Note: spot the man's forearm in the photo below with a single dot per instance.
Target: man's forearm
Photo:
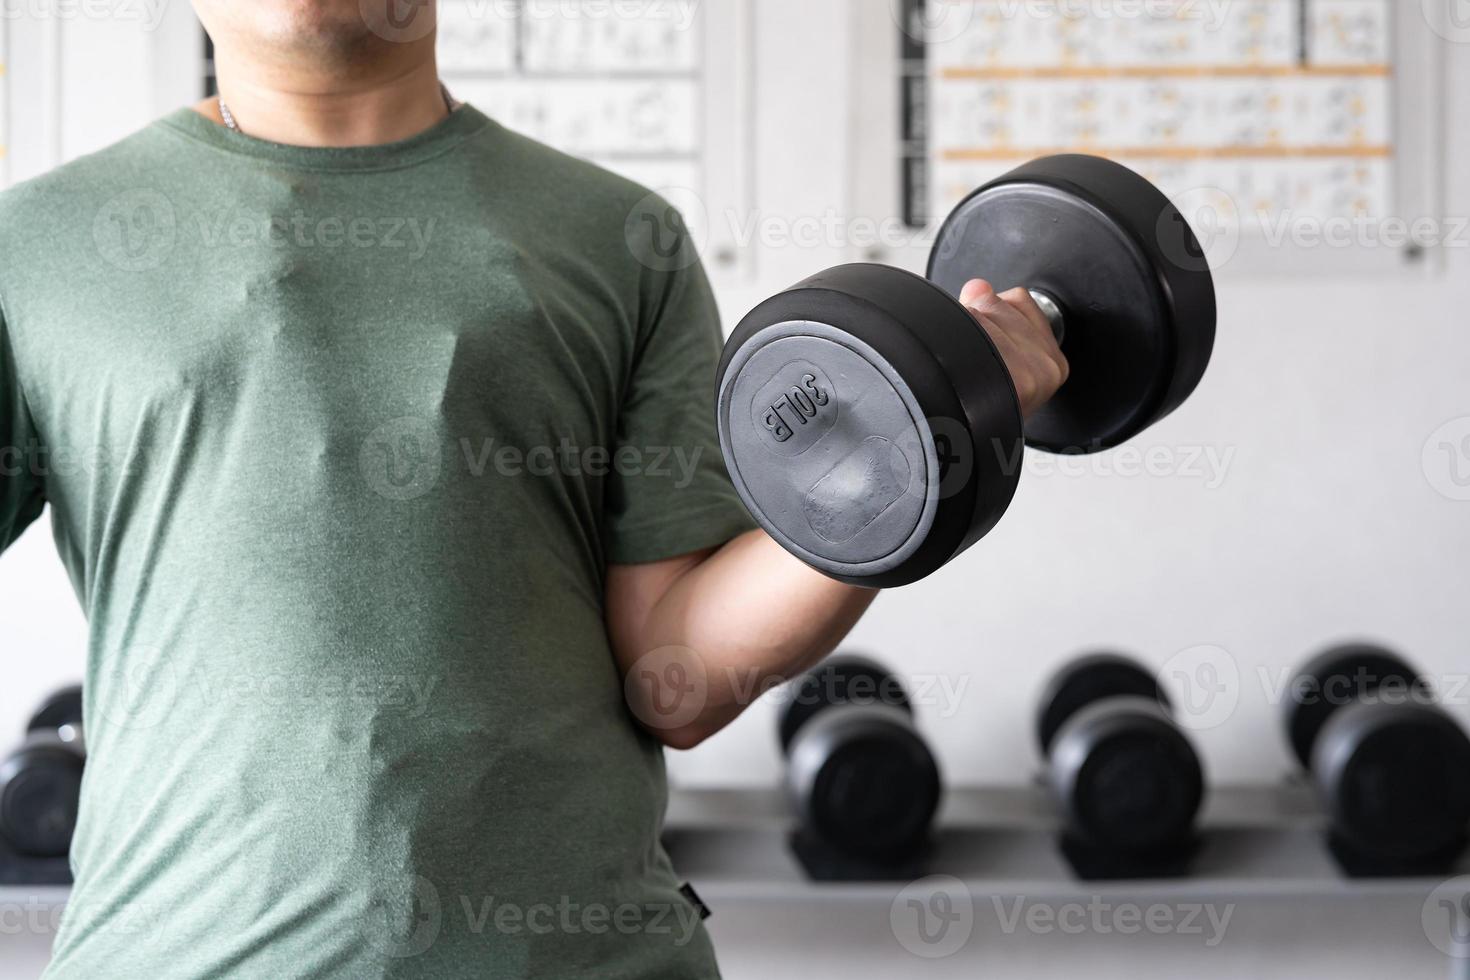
(729, 626)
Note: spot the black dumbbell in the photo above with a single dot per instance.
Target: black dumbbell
(1127, 779)
(41, 781)
(1391, 767)
(872, 428)
(859, 775)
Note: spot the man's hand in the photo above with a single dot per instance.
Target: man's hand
(1023, 335)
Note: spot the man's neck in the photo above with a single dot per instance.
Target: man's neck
(392, 103)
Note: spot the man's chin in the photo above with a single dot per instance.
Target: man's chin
(337, 29)
(323, 30)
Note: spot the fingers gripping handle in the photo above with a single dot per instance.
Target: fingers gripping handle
(1053, 311)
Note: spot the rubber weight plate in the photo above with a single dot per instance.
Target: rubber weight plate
(1340, 676)
(871, 785)
(869, 424)
(1087, 680)
(64, 707)
(1396, 779)
(1139, 784)
(1129, 275)
(846, 678)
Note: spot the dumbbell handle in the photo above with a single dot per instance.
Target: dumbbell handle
(1053, 311)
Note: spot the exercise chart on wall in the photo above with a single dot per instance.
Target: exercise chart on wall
(621, 90)
(1273, 107)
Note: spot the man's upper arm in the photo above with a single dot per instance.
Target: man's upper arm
(632, 593)
(668, 493)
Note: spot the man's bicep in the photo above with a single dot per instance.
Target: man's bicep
(632, 596)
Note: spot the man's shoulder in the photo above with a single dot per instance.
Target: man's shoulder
(557, 167)
(74, 194)
(567, 189)
(105, 171)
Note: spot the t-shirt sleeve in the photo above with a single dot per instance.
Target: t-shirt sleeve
(669, 491)
(21, 500)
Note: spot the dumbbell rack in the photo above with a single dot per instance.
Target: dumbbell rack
(1257, 842)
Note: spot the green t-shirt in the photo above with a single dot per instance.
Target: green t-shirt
(338, 445)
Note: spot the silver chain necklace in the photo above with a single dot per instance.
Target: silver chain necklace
(232, 126)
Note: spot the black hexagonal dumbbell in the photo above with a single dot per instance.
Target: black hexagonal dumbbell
(1391, 767)
(41, 780)
(862, 780)
(871, 426)
(1128, 781)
